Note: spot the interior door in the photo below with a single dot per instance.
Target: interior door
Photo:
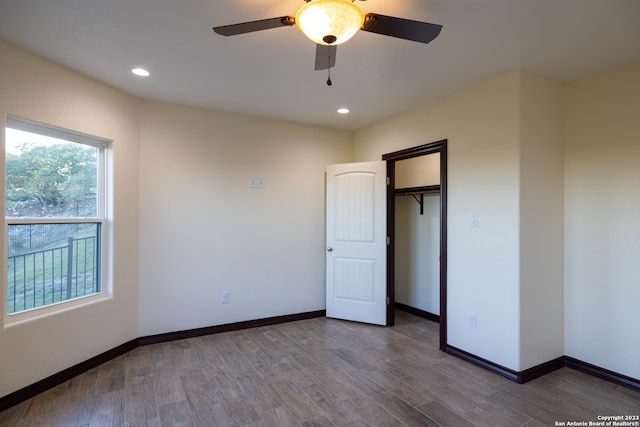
(356, 253)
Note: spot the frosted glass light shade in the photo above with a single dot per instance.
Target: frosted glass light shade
(320, 18)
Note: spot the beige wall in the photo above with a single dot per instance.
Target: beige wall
(601, 133)
(419, 171)
(205, 231)
(552, 173)
(482, 128)
(541, 222)
(38, 90)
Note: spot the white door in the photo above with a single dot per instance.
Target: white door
(356, 253)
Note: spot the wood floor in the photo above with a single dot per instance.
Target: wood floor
(318, 372)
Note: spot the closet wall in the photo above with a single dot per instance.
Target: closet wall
(417, 235)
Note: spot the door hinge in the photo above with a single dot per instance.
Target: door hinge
(388, 240)
(388, 300)
(388, 181)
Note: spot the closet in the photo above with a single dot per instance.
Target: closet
(417, 235)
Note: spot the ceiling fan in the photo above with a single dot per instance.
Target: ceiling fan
(329, 23)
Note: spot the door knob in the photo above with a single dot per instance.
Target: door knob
(329, 249)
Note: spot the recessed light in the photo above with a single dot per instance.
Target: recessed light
(343, 110)
(140, 72)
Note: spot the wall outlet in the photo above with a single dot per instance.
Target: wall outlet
(472, 320)
(224, 297)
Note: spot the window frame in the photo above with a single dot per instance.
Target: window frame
(102, 144)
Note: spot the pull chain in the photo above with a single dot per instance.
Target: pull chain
(329, 40)
(329, 83)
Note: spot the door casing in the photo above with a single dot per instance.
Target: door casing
(422, 150)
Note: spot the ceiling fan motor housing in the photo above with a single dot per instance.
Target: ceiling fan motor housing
(329, 39)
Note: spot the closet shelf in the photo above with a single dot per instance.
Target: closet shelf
(418, 191)
(429, 189)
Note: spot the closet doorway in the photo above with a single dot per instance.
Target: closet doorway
(417, 230)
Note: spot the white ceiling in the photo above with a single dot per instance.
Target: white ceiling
(271, 73)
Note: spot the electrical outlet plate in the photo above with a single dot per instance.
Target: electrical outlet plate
(473, 320)
(224, 297)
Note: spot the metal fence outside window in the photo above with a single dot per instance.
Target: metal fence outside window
(52, 275)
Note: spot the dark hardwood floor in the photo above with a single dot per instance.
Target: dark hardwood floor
(318, 372)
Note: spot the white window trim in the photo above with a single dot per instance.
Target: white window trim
(105, 293)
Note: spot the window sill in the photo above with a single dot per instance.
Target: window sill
(35, 314)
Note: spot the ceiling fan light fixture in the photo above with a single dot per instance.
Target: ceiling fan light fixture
(329, 22)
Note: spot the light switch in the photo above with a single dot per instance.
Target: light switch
(260, 182)
(473, 219)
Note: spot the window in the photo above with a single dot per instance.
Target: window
(55, 215)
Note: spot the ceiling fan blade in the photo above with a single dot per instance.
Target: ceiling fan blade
(325, 56)
(407, 29)
(249, 27)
